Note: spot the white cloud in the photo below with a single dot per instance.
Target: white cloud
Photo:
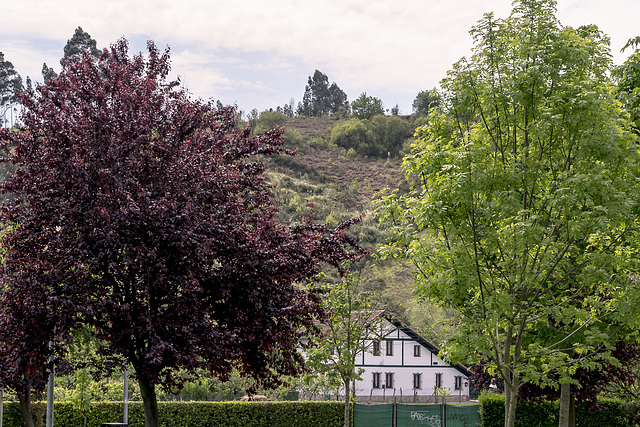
(379, 46)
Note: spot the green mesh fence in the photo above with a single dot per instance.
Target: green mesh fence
(373, 415)
(463, 415)
(408, 415)
(418, 415)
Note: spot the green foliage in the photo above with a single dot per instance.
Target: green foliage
(628, 78)
(390, 134)
(193, 414)
(608, 412)
(523, 214)
(432, 320)
(365, 107)
(10, 84)
(80, 42)
(345, 331)
(352, 133)
(81, 399)
(268, 120)
(48, 73)
(381, 136)
(250, 414)
(544, 414)
(425, 101)
(322, 99)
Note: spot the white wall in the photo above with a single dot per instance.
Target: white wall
(404, 364)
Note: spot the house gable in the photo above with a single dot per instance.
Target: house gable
(404, 339)
(399, 360)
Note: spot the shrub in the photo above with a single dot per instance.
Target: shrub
(608, 412)
(193, 414)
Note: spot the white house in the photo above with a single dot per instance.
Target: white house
(399, 363)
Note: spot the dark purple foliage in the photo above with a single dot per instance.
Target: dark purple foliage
(147, 215)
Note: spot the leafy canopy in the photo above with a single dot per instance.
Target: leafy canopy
(79, 43)
(10, 83)
(365, 106)
(628, 78)
(523, 214)
(320, 98)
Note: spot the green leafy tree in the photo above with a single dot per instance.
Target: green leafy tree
(436, 323)
(346, 334)
(10, 85)
(268, 120)
(10, 82)
(425, 101)
(389, 133)
(381, 136)
(48, 73)
(524, 210)
(320, 98)
(365, 107)
(628, 78)
(84, 357)
(288, 109)
(80, 42)
(353, 133)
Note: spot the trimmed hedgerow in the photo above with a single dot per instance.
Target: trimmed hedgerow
(193, 414)
(608, 412)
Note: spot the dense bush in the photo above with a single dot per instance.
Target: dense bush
(193, 414)
(381, 136)
(608, 412)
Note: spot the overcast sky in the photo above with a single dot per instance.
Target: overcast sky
(259, 53)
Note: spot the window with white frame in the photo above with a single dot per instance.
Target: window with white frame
(438, 380)
(416, 350)
(389, 344)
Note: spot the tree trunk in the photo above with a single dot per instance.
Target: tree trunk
(567, 416)
(572, 411)
(347, 401)
(150, 403)
(511, 401)
(25, 408)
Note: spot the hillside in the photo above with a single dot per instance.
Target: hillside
(342, 186)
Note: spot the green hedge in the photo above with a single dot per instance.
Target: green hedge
(193, 414)
(609, 413)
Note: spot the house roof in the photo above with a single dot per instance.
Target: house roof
(413, 335)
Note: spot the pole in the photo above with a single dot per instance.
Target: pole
(49, 421)
(125, 416)
(444, 411)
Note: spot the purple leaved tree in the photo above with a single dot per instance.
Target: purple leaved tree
(147, 215)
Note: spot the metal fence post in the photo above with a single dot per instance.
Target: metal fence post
(444, 411)
(125, 415)
(394, 418)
